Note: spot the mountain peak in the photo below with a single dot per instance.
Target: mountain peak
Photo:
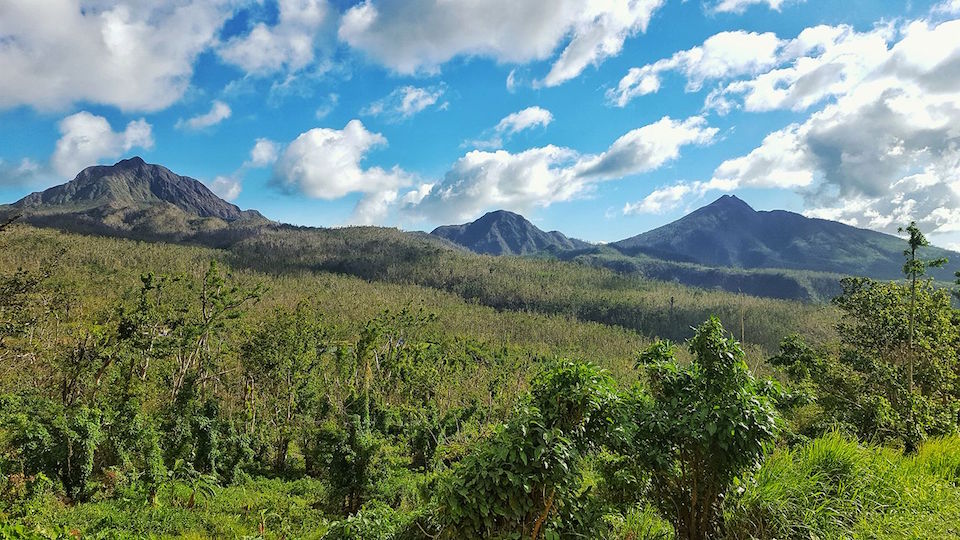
(130, 184)
(130, 163)
(501, 215)
(730, 202)
(501, 232)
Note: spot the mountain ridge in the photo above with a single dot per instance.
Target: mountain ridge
(726, 244)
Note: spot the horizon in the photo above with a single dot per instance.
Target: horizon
(568, 234)
(600, 125)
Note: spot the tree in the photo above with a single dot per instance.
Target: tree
(281, 360)
(525, 479)
(871, 368)
(702, 426)
(914, 269)
(956, 292)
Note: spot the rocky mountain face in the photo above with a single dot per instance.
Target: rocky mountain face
(130, 183)
(139, 200)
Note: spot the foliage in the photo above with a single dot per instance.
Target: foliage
(863, 388)
(525, 479)
(834, 487)
(704, 426)
(269, 398)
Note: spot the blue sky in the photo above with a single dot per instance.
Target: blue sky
(601, 119)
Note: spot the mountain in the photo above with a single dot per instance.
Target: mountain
(729, 233)
(133, 198)
(130, 183)
(505, 233)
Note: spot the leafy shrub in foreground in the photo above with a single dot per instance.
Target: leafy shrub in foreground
(704, 426)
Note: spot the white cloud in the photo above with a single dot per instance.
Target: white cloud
(26, 172)
(727, 54)
(947, 7)
(226, 187)
(660, 200)
(542, 176)
(414, 36)
(373, 207)
(328, 106)
(326, 163)
(512, 81)
(887, 151)
(647, 148)
(513, 123)
(822, 62)
(263, 153)
(405, 102)
(739, 6)
(219, 112)
(526, 119)
(135, 57)
(86, 139)
(289, 45)
(600, 35)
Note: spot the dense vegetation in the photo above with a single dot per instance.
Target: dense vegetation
(154, 389)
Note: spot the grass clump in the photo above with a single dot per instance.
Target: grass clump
(834, 487)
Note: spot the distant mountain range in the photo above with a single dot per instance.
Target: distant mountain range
(505, 233)
(726, 244)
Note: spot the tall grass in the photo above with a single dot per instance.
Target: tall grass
(833, 487)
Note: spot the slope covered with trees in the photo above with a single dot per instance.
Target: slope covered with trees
(155, 389)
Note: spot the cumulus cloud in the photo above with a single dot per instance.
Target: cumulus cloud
(482, 180)
(86, 139)
(326, 163)
(947, 7)
(405, 102)
(727, 54)
(821, 62)
(289, 45)
(513, 123)
(413, 36)
(219, 112)
(647, 148)
(226, 187)
(739, 6)
(660, 200)
(263, 153)
(137, 58)
(885, 152)
(527, 118)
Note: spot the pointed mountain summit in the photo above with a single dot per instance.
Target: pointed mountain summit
(730, 233)
(505, 233)
(131, 183)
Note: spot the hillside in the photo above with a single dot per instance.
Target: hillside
(506, 233)
(729, 233)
